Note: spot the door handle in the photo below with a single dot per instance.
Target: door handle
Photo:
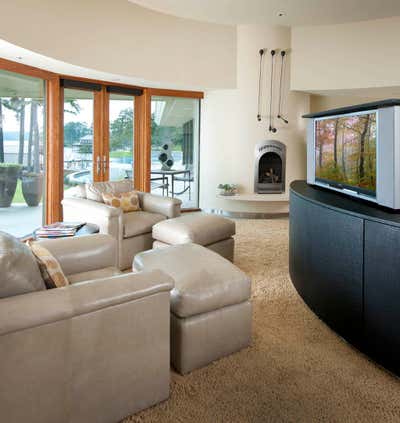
(104, 165)
(98, 164)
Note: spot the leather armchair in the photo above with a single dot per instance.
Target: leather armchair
(94, 351)
(133, 231)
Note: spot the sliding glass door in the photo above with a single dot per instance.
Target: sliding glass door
(22, 153)
(98, 133)
(78, 138)
(121, 137)
(175, 148)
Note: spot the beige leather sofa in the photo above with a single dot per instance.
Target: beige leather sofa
(133, 231)
(94, 351)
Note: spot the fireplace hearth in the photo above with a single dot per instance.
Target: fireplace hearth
(269, 170)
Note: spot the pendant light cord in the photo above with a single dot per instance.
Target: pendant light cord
(271, 91)
(261, 52)
(280, 83)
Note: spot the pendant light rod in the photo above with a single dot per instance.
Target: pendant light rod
(271, 127)
(261, 53)
(279, 115)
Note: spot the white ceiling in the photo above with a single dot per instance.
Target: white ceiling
(297, 12)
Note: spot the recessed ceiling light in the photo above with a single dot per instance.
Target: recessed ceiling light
(281, 14)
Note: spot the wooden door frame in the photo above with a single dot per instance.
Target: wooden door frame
(54, 132)
(142, 144)
(100, 135)
(54, 188)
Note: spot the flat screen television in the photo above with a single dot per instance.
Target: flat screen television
(355, 150)
(345, 152)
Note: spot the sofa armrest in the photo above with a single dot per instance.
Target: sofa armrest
(91, 208)
(169, 207)
(43, 307)
(83, 253)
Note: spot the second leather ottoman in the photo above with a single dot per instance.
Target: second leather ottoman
(211, 311)
(209, 230)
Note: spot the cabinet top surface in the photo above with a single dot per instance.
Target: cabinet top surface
(356, 108)
(344, 204)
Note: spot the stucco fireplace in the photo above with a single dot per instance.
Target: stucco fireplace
(270, 167)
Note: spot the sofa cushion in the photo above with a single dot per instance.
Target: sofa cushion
(140, 222)
(78, 191)
(49, 267)
(198, 228)
(18, 268)
(204, 281)
(127, 201)
(95, 190)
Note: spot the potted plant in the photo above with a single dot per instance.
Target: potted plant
(32, 188)
(227, 189)
(9, 174)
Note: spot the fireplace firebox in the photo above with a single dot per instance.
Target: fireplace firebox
(269, 170)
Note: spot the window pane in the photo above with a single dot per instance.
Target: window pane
(175, 148)
(121, 137)
(22, 153)
(78, 137)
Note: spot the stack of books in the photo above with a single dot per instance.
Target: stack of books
(58, 230)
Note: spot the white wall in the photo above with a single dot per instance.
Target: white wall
(346, 56)
(230, 129)
(119, 37)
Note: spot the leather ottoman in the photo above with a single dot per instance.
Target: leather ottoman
(211, 311)
(209, 230)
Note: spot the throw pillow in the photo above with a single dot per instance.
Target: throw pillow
(50, 268)
(19, 272)
(127, 201)
(95, 190)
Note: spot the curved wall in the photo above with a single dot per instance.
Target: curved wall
(119, 37)
(346, 56)
(230, 130)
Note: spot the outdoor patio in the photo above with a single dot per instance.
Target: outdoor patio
(20, 219)
(179, 186)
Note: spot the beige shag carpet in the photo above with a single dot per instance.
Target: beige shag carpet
(297, 369)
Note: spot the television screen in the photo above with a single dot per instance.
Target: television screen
(345, 152)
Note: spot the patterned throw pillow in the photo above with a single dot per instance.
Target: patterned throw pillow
(95, 190)
(127, 201)
(49, 267)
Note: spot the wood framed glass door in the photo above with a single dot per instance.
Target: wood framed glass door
(82, 145)
(118, 153)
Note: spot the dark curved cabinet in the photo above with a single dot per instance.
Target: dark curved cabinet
(344, 260)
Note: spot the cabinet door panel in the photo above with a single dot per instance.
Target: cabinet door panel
(326, 263)
(382, 292)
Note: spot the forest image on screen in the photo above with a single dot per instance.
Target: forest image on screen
(345, 151)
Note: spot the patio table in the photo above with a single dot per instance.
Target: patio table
(172, 173)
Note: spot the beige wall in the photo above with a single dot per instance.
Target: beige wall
(347, 56)
(230, 129)
(319, 103)
(119, 37)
